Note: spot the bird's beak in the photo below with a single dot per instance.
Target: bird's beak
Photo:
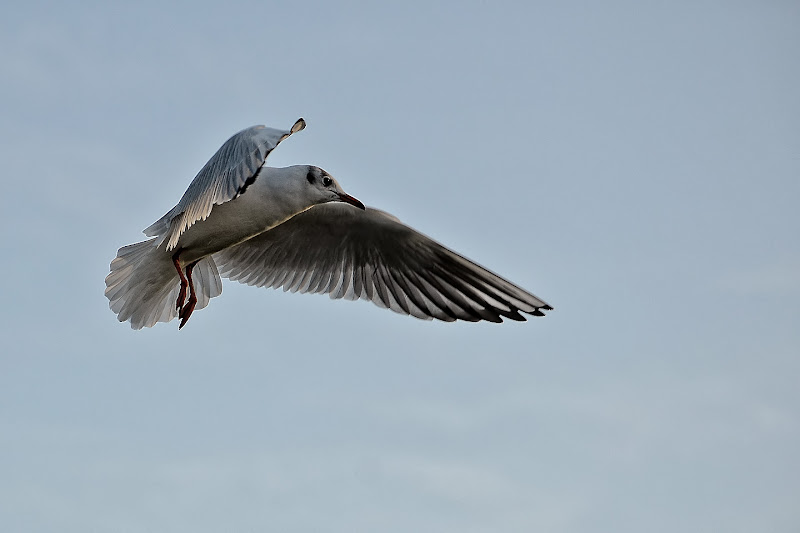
(346, 198)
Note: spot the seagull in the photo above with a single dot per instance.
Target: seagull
(295, 228)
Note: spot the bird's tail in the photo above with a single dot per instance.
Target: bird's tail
(143, 284)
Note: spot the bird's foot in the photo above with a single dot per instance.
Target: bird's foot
(186, 311)
(184, 281)
(181, 297)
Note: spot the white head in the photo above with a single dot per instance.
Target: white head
(308, 185)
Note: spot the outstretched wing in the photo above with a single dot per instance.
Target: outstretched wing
(348, 253)
(226, 175)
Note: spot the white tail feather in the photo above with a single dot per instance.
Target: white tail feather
(143, 284)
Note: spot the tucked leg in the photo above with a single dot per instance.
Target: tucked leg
(184, 282)
(186, 310)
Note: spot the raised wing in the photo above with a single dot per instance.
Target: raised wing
(348, 253)
(226, 175)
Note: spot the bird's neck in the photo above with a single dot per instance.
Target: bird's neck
(282, 194)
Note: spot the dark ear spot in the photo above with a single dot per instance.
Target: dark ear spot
(311, 177)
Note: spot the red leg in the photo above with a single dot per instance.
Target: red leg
(184, 283)
(187, 309)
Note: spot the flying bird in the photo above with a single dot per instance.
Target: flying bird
(295, 228)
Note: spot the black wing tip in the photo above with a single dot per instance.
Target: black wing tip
(516, 313)
(496, 315)
(299, 124)
(538, 310)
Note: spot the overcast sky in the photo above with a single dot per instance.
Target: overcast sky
(636, 165)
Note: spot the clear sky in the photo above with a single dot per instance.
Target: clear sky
(635, 164)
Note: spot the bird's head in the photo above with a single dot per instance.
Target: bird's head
(321, 188)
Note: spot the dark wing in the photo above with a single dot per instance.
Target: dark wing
(226, 175)
(348, 253)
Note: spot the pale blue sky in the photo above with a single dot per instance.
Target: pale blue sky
(634, 164)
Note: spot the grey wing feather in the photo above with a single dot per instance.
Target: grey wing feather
(348, 253)
(226, 175)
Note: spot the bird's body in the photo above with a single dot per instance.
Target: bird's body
(269, 201)
(295, 228)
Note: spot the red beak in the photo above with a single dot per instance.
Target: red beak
(346, 198)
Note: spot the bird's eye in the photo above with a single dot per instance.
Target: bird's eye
(326, 181)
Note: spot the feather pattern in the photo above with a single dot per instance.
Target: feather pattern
(371, 255)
